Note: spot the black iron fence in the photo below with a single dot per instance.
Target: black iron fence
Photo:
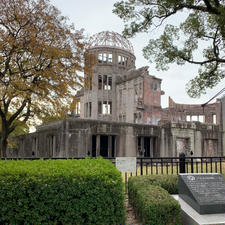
(175, 165)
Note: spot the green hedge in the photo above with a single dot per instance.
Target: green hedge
(153, 204)
(67, 192)
(167, 182)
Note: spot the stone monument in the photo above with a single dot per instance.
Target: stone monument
(203, 192)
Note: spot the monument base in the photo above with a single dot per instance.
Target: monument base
(192, 217)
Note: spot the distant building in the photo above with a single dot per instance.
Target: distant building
(119, 113)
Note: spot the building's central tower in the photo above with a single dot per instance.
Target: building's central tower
(111, 57)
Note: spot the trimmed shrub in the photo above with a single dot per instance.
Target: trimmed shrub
(88, 191)
(153, 204)
(167, 182)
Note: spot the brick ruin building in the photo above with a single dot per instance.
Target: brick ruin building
(119, 113)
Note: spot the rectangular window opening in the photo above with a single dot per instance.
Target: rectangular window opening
(123, 60)
(104, 143)
(188, 118)
(105, 85)
(104, 57)
(119, 59)
(109, 83)
(146, 146)
(99, 82)
(110, 57)
(90, 108)
(201, 118)
(107, 108)
(100, 58)
(214, 118)
(99, 107)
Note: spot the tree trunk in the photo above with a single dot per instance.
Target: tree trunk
(4, 137)
(4, 145)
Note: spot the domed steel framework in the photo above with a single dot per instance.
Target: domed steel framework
(110, 39)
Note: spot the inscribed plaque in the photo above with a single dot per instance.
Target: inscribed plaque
(203, 192)
(126, 164)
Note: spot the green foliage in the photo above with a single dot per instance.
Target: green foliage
(80, 192)
(153, 204)
(167, 182)
(197, 38)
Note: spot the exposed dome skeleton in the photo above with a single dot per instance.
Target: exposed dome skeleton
(110, 39)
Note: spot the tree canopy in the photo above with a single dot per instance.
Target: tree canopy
(203, 29)
(41, 57)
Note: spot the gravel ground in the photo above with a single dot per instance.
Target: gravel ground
(131, 217)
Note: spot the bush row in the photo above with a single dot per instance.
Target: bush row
(167, 182)
(80, 192)
(153, 203)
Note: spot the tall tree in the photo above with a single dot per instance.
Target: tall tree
(203, 29)
(41, 57)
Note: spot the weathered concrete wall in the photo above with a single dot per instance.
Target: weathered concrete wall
(200, 139)
(74, 137)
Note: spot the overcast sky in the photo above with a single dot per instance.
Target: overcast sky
(96, 16)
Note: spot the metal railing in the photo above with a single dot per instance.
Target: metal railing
(176, 165)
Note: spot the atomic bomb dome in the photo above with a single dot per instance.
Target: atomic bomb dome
(121, 115)
(110, 39)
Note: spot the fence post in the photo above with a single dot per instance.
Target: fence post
(182, 162)
(192, 163)
(141, 166)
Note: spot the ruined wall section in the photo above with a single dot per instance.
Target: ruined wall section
(152, 100)
(129, 98)
(200, 139)
(139, 98)
(191, 112)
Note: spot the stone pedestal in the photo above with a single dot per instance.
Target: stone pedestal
(192, 217)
